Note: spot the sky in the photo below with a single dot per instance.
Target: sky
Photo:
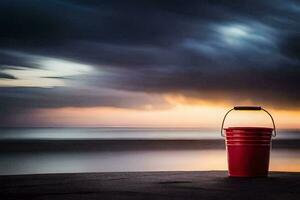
(147, 63)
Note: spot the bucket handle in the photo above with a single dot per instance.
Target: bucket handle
(247, 108)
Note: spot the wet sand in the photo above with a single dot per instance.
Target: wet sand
(150, 185)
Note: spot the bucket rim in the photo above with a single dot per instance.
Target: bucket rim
(240, 128)
(248, 137)
(238, 144)
(259, 141)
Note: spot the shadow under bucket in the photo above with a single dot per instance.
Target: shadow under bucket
(248, 148)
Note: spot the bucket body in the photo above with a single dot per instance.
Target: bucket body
(248, 151)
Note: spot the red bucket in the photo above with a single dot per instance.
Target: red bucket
(248, 148)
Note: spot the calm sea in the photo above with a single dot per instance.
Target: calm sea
(63, 150)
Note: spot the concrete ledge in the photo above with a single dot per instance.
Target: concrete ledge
(150, 185)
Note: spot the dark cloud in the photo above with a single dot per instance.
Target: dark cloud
(228, 50)
(6, 76)
(32, 97)
(291, 46)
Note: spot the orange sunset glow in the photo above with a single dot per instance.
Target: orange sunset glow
(181, 113)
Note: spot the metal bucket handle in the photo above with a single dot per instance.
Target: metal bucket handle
(247, 108)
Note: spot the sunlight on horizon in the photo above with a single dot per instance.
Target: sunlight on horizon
(181, 114)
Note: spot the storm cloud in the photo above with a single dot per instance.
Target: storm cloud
(212, 50)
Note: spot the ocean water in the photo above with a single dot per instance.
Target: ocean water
(67, 150)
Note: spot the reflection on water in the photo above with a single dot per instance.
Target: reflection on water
(113, 161)
(285, 160)
(49, 150)
(181, 160)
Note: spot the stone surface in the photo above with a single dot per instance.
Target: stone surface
(150, 185)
